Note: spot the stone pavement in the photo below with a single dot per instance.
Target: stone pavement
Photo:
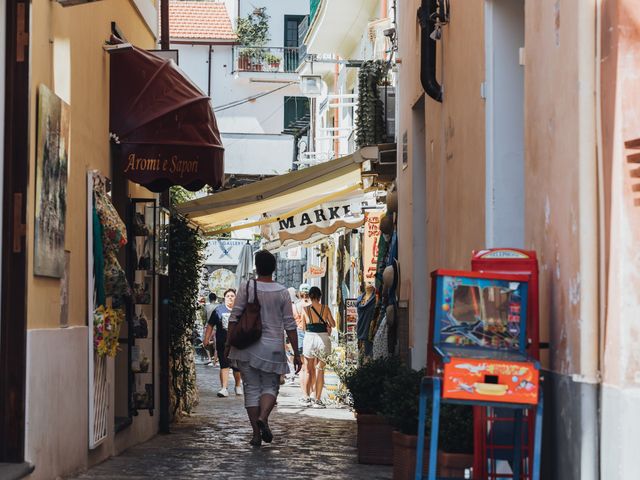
(308, 443)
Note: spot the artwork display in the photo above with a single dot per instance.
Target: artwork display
(52, 157)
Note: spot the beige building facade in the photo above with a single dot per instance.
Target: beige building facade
(527, 150)
(64, 50)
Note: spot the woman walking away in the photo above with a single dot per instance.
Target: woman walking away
(318, 323)
(219, 320)
(262, 363)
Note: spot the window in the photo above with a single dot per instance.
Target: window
(291, 42)
(295, 108)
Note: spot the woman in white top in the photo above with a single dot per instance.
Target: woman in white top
(318, 323)
(262, 363)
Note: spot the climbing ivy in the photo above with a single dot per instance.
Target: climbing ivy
(185, 265)
(370, 125)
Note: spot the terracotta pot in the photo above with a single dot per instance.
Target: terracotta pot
(404, 456)
(404, 459)
(453, 464)
(374, 440)
(243, 62)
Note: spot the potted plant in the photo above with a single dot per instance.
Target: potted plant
(455, 452)
(253, 33)
(244, 61)
(400, 407)
(374, 432)
(273, 61)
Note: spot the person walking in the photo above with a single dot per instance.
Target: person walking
(209, 307)
(262, 363)
(298, 308)
(318, 323)
(219, 320)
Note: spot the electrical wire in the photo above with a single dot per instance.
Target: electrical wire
(237, 103)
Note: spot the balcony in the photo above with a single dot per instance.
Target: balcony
(337, 26)
(274, 60)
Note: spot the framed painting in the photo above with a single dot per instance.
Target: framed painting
(52, 157)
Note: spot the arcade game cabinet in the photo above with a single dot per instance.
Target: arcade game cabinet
(478, 356)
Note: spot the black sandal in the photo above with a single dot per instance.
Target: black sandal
(256, 440)
(267, 436)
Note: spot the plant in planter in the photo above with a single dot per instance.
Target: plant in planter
(244, 59)
(374, 432)
(253, 33)
(273, 61)
(370, 124)
(400, 407)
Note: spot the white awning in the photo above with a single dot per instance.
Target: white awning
(277, 197)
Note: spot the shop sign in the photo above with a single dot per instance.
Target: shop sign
(323, 215)
(370, 247)
(223, 251)
(316, 271)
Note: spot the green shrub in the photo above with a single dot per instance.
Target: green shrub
(399, 405)
(364, 383)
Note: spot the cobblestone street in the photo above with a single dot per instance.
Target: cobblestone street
(213, 443)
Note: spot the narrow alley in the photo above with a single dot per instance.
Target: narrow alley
(213, 443)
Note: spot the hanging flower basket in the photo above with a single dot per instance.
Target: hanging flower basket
(106, 330)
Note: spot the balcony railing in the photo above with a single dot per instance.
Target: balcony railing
(266, 59)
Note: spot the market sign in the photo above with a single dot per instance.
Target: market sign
(370, 249)
(320, 216)
(320, 221)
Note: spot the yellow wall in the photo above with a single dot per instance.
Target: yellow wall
(454, 144)
(85, 28)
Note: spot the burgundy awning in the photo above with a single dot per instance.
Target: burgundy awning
(162, 126)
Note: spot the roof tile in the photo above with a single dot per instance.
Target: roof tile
(199, 20)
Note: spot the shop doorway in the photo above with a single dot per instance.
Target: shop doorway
(504, 35)
(419, 246)
(14, 156)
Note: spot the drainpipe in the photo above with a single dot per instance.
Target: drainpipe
(164, 24)
(588, 280)
(209, 72)
(426, 14)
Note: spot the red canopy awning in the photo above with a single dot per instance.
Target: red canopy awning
(162, 125)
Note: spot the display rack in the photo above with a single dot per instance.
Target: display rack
(143, 266)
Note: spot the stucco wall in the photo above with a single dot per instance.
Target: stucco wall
(454, 146)
(620, 103)
(262, 118)
(560, 174)
(81, 76)
(67, 56)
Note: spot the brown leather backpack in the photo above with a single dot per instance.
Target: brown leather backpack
(248, 328)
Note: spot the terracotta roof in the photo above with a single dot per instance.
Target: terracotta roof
(199, 20)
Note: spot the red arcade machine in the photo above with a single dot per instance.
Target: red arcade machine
(484, 351)
(492, 423)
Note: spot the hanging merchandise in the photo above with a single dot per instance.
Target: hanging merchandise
(114, 237)
(106, 330)
(140, 326)
(381, 339)
(144, 261)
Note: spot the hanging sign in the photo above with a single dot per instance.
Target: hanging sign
(370, 247)
(322, 216)
(316, 271)
(223, 251)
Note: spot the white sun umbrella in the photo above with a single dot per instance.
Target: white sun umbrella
(245, 265)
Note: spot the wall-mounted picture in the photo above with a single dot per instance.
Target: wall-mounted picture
(52, 157)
